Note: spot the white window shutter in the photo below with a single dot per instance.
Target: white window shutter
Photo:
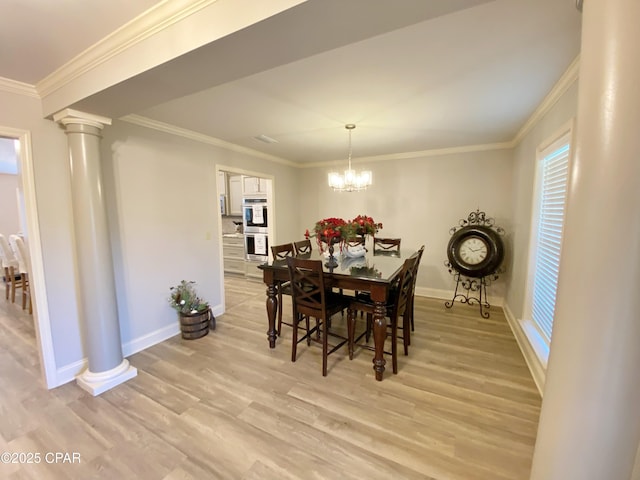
(554, 184)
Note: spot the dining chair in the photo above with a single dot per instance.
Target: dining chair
(303, 247)
(405, 336)
(355, 241)
(24, 265)
(10, 267)
(413, 287)
(310, 298)
(397, 307)
(386, 245)
(281, 252)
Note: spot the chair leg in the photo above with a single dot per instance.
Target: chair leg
(394, 345)
(412, 328)
(369, 327)
(28, 280)
(325, 345)
(279, 328)
(7, 281)
(406, 333)
(294, 336)
(351, 327)
(12, 274)
(24, 289)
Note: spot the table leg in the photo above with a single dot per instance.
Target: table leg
(379, 336)
(272, 310)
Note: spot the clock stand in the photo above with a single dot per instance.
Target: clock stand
(474, 268)
(471, 291)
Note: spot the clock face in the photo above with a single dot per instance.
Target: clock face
(473, 250)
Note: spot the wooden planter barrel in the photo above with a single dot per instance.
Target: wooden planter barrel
(196, 325)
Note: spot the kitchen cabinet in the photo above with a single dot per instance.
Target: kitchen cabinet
(252, 270)
(222, 183)
(233, 253)
(235, 195)
(254, 185)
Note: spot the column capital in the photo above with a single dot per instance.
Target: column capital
(69, 116)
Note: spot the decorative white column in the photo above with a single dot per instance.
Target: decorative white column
(107, 367)
(590, 421)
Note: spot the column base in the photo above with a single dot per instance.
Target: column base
(96, 383)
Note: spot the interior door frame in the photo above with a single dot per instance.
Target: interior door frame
(42, 323)
(272, 215)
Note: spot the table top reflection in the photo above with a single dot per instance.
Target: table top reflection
(373, 266)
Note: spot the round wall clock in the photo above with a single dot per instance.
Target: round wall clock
(475, 251)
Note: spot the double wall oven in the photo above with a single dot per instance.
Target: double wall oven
(255, 213)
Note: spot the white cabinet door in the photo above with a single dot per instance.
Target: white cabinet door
(254, 185)
(262, 185)
(235, 195)
(222, 183)
(249, 185)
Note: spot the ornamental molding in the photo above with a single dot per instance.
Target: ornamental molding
(157, 18)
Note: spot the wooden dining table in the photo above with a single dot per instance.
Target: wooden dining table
(373, 273)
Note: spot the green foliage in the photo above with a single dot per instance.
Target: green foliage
(184, 298)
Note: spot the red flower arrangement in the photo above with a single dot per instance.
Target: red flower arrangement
(328, 230)
(335, 230)
(364, 225)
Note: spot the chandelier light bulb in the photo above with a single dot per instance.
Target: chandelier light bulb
(350, 181)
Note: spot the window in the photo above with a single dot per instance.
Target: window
(546, 236)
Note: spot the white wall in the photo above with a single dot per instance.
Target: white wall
(163, 215)
(9, 221)
(53, 197)
(419, 200)
(523, 183)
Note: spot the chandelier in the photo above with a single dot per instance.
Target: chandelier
(350, 181)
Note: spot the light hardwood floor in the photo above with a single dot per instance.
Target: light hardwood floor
(463, 405)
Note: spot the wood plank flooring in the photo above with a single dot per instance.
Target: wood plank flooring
(463, 405)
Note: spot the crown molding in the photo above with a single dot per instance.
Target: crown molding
(568, 78)
(12, 86)
(200, 137)
(145, 25)
(409, 155)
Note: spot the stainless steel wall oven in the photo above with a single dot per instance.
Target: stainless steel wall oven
(255, 218)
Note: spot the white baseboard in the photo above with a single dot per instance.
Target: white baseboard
(69, 372)
(217, 310)
(536, 367)
(138, 344)
(448, 294)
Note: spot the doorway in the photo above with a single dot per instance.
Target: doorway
(235, 188)
(28, 214)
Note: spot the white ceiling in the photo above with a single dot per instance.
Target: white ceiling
(462, 72)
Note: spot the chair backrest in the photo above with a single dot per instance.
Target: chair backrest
(280, 252)
(7, 257)
(386, 244)
(21, 252)
(405, 286)
(307, 287)
(355, 241)
(303, 247)
(418, 256)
